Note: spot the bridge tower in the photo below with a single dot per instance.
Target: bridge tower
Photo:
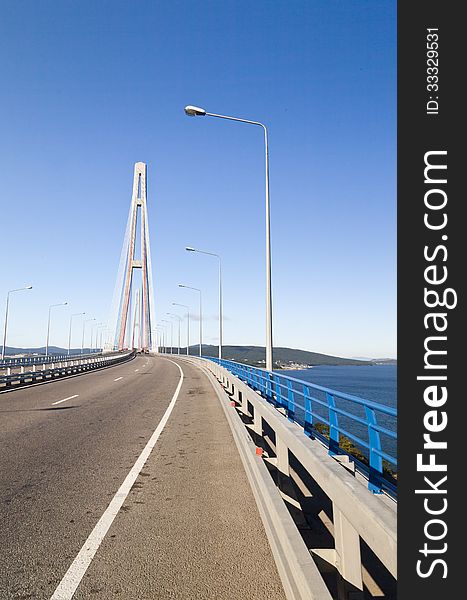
(124, 332)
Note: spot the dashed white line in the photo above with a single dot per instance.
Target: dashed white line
(65, 399)
(118, 378)
(72, 578)
(136, 370)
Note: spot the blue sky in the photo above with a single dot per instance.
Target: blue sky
(90, 88)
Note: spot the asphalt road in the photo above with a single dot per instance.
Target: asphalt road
(187, 529)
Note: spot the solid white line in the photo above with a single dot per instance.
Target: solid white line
(72, 578)
(65, 399)
(118, 378)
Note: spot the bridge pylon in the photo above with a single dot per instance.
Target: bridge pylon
(138, 217)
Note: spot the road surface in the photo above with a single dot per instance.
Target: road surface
(187, 527)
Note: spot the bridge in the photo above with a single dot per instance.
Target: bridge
(137, 472)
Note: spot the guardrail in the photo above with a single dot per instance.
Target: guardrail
(42, 359)
(64, 368)
(309, 404)
(335, 499)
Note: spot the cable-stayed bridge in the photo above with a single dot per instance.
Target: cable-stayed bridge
(137, 472)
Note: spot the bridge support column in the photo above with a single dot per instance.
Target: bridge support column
(229, 386)
(348, 559)
(257, 423)
(282, 453)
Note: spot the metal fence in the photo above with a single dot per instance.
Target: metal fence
(42, 359)
(370, 426)
(70, 366)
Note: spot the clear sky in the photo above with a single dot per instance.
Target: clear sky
(89, 88)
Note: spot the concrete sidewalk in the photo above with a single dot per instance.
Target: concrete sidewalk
(190, 528)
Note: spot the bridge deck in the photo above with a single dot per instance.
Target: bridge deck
(189, 527)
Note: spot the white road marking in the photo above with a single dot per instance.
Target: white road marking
(65, 399)
(136, 370)
(118, 378)
(72, 578)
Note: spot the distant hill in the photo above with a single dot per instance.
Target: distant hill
(256, 355)
(9, 351)
(385, 361)
(251, 355)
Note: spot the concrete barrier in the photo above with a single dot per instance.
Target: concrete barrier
(357, 513)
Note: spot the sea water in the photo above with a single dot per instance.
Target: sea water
(377, 383)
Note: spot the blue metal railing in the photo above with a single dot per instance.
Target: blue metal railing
(366, 423)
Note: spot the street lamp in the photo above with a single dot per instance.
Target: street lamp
(48, 325)
(189, 249)
(171, 334)
(84, 327)
(179, 325)
(162, 338)
(100, 326)
(28, 287)
(69, 331)
(200, 315)
(194, 111)
(187, 325)
(154, 344)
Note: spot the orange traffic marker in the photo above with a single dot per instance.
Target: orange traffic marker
(259, 451)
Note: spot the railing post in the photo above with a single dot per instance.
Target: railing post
(308, 426)
(290, 401)
(268, 386)
(376, 462)
(278, 400)
(333, 426)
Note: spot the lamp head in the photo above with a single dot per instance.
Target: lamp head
(194, 111)
(190, 249)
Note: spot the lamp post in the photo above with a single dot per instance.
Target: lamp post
(162, 337)
(179, 325)
(154, 340)
(48, 325)
(189, 249)
(200, 315)
(84, 327)
(5, 328)
(100, 326)
(187, 325)
(195, 111)
(69, 331)
(171, 334)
